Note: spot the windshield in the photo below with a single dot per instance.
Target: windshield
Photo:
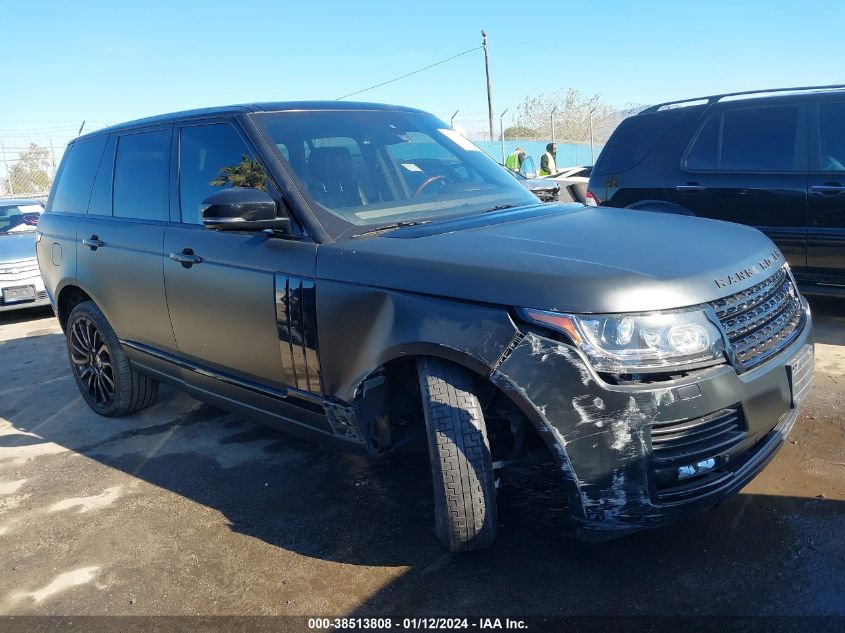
(21, 218)
(370, 168)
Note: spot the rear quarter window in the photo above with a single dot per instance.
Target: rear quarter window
(636, 137)
(72, 190)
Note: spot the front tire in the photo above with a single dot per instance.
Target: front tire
(461, 465)
(101, 368)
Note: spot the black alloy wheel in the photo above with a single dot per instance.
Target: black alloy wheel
(92, 361)
(106, 379)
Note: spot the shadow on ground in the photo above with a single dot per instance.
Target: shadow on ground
(828, 320)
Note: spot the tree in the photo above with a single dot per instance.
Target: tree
(31, 173)
(247, 173)
(521, 133)
(572, 116)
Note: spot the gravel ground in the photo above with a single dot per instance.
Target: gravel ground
(185, 509)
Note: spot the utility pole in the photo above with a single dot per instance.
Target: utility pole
(552, 117)
(592, 155)
(452, 120)
(489, 92)
(53, 157)
(502, 132)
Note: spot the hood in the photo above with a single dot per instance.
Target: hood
(15, 247)
(571, 258)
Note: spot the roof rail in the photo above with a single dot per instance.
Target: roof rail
(714, 98)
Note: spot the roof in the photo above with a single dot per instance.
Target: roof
(11, 202)
(269, 106)
(750, 93)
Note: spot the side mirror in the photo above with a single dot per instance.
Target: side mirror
(241, 209)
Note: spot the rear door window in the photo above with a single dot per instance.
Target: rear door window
(76, 176)
(141, 175)
(211, 158)
(831, 137)
(763, 139)
(704, 153)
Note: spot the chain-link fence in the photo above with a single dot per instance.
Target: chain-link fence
(28, 163)
(27, 167)
(474, 124)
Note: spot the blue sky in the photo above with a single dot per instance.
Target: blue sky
(118, 60)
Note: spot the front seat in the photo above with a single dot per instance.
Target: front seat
(331, 178)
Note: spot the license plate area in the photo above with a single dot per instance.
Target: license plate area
(799, 370)
(17, 294)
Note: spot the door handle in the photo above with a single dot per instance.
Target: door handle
(93, 242)
(832, 187)
(690, 187)
(186, 257)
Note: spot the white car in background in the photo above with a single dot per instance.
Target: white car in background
(20, 279)
(572, 180)
(573, 183)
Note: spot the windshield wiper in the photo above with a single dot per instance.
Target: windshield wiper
(501, 207)
(391, 226)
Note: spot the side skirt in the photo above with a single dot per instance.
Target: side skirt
(291, 410)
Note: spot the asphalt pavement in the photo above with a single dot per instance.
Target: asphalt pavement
(185, 509)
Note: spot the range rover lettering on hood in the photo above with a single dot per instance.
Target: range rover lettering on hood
(746, 273)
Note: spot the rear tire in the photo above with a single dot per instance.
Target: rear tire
(461, 465)
(101, 368)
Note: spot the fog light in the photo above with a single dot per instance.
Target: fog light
(685, 472)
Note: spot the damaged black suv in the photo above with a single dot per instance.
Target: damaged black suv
(364, 274)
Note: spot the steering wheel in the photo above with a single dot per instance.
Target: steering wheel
(426, 183)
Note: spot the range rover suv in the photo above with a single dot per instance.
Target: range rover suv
(365, 275)
(772, 159)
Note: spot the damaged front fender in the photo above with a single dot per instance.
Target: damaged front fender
(599, 436)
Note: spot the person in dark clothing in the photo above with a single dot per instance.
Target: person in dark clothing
(547, 162)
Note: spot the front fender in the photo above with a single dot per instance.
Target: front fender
(362, 328)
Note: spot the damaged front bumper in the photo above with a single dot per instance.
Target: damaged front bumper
(641, 455)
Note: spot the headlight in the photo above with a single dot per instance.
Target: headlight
(628, 343)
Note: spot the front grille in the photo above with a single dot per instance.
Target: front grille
(761, 321)
(684, 441)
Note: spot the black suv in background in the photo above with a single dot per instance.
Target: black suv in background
(775, 161)
(365, 275)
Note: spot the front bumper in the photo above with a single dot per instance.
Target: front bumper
(638, 456)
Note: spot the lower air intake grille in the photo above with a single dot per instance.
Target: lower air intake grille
(687, 440)
(762, 320)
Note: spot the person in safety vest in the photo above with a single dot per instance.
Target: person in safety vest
(547, 162)
(515, 158)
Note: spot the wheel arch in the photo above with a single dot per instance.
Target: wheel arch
(68, 297)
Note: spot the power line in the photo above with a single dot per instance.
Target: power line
(390, 81)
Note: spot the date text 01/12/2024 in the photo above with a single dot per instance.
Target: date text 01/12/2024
(413, 624)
